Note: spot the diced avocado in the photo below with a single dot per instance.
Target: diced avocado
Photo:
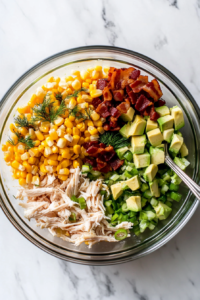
(134, 203)
(177, 114)
(120, 152)
(150, 172)
(162, 210)
(167, 134)
(155, 137)
(184, 150)
(124, 131)
(128, 117)
(137, 127)
(162, 110)
(138, 144)
(157, 156)
(133, 183)
(166, 122)
(141, 160)
(116, 190)
(154, 188)
(151, 125)
(176, 143)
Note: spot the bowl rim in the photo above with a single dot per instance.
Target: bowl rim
(185, 218)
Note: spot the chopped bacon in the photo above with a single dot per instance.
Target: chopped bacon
(117, 75)
(115, 129)
(142, 103)
(123, 107)
(153, 89)
(139, 83)
(106, 127)
(113, 122)
(153, 114)
(92, 150)
(106, 169)
(160, 102)
(118, 95)
(118, 85)
(107, 95)
(132, 96)
(91, 161)
(102, 109)
(102, 83)
(96, 102)
(100, 164)
(135, 74)
(111, 78)
(86, 145)
(115, 112)
(102, 145)
(126, 72)
(116, 163)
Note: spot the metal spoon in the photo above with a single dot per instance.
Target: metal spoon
(186, 179)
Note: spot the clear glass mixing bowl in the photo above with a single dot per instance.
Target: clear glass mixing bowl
(174, 92)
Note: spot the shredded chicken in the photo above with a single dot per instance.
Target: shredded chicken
(51, 206)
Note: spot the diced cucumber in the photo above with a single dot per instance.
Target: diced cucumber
(176, 196)
(161, 182)
(85, 169)
(143, 201)
(124, 207)
(163, 198)
(114, 177)
(147, 194)
(175, 179)
(164, 189)
(143, 225)
(128, 156)
(154, 202)
(168, 203)
(95, 173)
(173, 187)
(144, 187)
(166, 177)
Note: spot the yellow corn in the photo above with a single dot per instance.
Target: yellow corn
(76, 164)
(22, 181)
(53, 157)
(87, 139)
(32, 160)
(77, 149)
(35, 180)
(47, 151)
(29, 178)
(68, 123)
(69, 131)
(23, 174)
(27, 166)
(98, 123)
(59, 121)
(87, 134)
(60, 158)
(32, 133)
(15, 164)
(49, 141)
(100, 130)
(92, 87)
(81, 141)
(52, 162)
(95, 116)
(63, 177)
(4, 147)
(71, 118)
(34, 170)
(7, 157)
(63, 171)
(95, 93)
(98, 68)
(65, 163)
(66, 153)
(13, 128)
(76, 139)
(43, 169)
(39, 135)
(61, 143)
(76, 84)
(41, 148)
(84, 75)
(54, 149)
(23, 110)
(95, 74)
(37, 143)
(53, 135)
(94, 137)
(93, 131)
(76, 131)
(18, 157)
(85, 85)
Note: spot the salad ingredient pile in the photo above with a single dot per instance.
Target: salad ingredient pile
(110, 124)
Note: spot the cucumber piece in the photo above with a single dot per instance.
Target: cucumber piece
(163, 198)
(95, 173)
(176, 196)
(124, 207)
(168, 203)
(143, 201)
(154, 202)
(175, 179)
(164, 189)
(173, 187)
(144, 187)
(128, 156)
(143, 225)
(85, 169)
(114, 177)
(147, 194)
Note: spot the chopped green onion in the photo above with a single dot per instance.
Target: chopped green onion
(121, 234)
(72, 217)
(82, 203)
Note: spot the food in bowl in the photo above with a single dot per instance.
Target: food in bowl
(87, 151)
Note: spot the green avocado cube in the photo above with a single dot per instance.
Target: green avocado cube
(184, 150)
(177, 114)
(128, 116)
(162, 110)
(155, 137)
(151, 125)
(154, 188)
(137, 127)
(166, 122)
(150, 172)
(162, 211)
(121, 151)
(176, 143)
(133, 183)
(167, 134)
(124, 131)
(157, 155)
(116, 190)
(141, 160)
(138, 144)
(134, 203)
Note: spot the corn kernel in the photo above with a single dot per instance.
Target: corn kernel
(25, 156)
(95, 93)
(16, 174)
(32, 160)
(90, 123)
(68, 123)
(4, 147)
(61, 143)
(98, 123)
(87, 139)
(76, 84)
(54, 149)
(76, 164)
(94, 137)
(80, 100)
(71, 118)
(53, 135)
(23, 110)
(60, 158)
(18, 157)
(34, 170)
(65, 163)
(66, 153)
(85, 85)
(41, 148)
(36, 180)
(49, 141)
(23, 174)
(22, 181)
(39, 135)
(52, 162)
(59, 121)
(84, 75)
(92, 130)
(53, 157)
(63, 171)
(43, 169)
(47, 151)
(76, 139)
(13, 128)
(15, 164)
(87, 134)
(88, 80)
(81, 141)
(32, 134)
(95, 116)
(77, 149)
(95, 74)
(68, 137)
(29, 178)
(23, 131)
(27, 166)
(98, 68)
(92, 87)
(76, 131)
(37, 143)
(63, 177)
(100, 130)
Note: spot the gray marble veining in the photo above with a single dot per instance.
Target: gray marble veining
(165, 30)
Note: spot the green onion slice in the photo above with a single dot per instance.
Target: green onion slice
(121, 234)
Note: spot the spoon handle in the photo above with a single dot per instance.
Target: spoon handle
(195, 189)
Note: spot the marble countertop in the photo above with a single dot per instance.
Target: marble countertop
(165, 30)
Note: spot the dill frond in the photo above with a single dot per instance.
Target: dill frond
(55, 113)
(29, 143)
(111, 138)
(75, 94)
(78, 114)
(41, 111)
(58, 97)
(23, 122)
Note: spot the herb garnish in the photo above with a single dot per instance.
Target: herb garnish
(23, 122)
(111, 138)
(29, 143)
(75, 94)
(58, 96)
(76, 112)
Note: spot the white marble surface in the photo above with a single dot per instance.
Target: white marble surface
(165, 30)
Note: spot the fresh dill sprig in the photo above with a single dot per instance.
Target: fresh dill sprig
(58, 96)
(111, 138)
(29, 143)
(78, 114)
(23, 122)
(47, 112)
(75, 94)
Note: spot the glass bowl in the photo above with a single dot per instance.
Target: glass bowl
(174, 92)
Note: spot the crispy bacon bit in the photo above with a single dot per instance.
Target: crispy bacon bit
(107, 96)
(118, 85)
(160, 102)
(115, 112)
(96, 102)
(139, 83)
(102, 145)
(115, 129)
(118, 95)
(123, 107)
(92, 150)
(125, 73)
(91, 161)
(153, 89)
(111, 78)
(113, 122)
(153, 114)
(106, 127)
(106, 169)
(102, 109)
(142, 103)
(100, 164)
(132, 96)
(135, 74)
(102, 83)
(116, 163)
